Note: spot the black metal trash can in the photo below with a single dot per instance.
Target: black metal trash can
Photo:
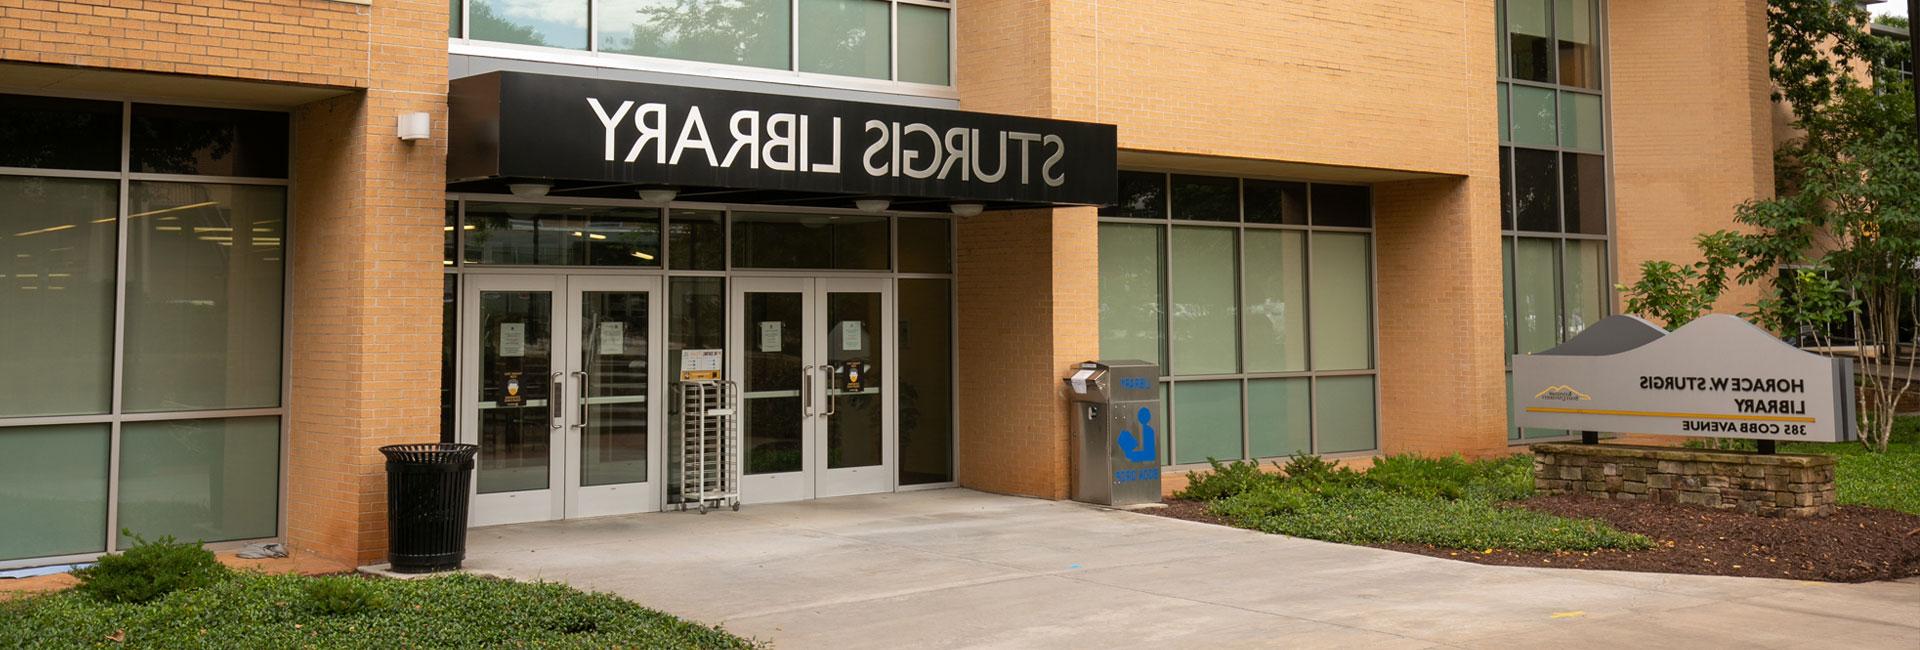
(427, 496)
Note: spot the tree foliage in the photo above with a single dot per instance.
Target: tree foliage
(1839, 244)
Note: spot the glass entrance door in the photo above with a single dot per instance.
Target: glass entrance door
(560, 394)
(816, 387)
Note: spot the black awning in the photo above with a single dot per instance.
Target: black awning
(602, 137)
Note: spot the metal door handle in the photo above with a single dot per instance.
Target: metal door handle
(833, 401)
(585, 382)
(806, 390)
(553, 400)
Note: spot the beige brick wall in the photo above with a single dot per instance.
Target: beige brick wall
(1692, 126)
(320, 42)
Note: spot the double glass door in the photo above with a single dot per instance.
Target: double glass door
(817, 402)
(559, 392)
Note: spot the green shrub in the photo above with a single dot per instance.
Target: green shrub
(1316, 473)
(1224, 481)
(149, 570)
(342, 596)
(1427, 478)
(1371, 515)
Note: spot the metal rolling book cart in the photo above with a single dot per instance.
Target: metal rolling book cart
(709, 443)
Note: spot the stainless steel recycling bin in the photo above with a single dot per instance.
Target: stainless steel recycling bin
(1117, 420)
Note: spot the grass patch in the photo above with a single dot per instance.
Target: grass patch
(250, 610)
(1444, 502)
(1862, 478)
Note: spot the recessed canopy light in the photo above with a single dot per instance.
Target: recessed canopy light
(872, 205)
(658, 194)
(966, 209)
(529, 190)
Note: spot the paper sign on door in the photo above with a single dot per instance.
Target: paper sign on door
(700, 364)
(613, 338)
(850, 335)
(513, 339)
(770, 336)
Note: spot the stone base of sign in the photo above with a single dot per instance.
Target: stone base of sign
(1778, 485)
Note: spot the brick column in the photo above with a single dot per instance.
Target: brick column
(1029, 309)
(366, 291)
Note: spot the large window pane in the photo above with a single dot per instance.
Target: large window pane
(1342, 312)
(1535, 295)
(1580, 121)
(845, 37)
(697, 320)
(926, 381)
(809, 241)
(1536, 189)
(1132, 319)
(1278, 417)
(59, 133)
(1506, 188)
(55, 482)
(1206, 198)
(453, 19)
(1347, 206)
(1534, 117)
(925, 246)
(1586, 285)
(1506, 288)
(200, 480)
(1142, 195)
(1275, 301)
(57, 250)
(1276, 202)
(925, 50)
(1585, 183)
(204, 273)
(754, 33)
(697, 239)
(1344, 412)
(575, 235)
(552, 23)
(1207, 421)
(1575, 26)
(208, 141)
(449, 341)
(1204, 328)
(1528, 40)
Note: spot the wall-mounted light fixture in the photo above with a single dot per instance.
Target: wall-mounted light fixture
(966, 209)
(415, 126)
(872, 205)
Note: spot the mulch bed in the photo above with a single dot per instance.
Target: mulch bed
(1853, 544)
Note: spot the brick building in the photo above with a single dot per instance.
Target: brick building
(229, 279)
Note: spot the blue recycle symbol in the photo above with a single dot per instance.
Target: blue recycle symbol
(1140, 448)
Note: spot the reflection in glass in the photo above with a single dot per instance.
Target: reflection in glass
(1206, 198)
(208, 141)
(738, 32)
(1342, 313)
(1585, 285)
(55, 482)
(856, 354)
(201, 480)
(204, 282)
(846, 37)
(1506, 188)
(926, 380)
(1132, 312)
(1346, 206)
(449, 338)
(1275, 301)
(925, 246)
(770, 390)
(1206, 421)
(1142, 195)
(1528, 40)
(516, 362)
(925, 47)
(1279, 422)
(809, 241)
(1580, 121)
(57, 251)
(59, 133)
(1586, 191)
(697, 240)
(552, 23)
(1574, 24)
(1533, 115)
(449, 236)
(574, 235)
(1344, 413)
(1204, 310)
(698, 321)
(1536, 296)
(1276, 202)
(1536, 190)
(613, 352)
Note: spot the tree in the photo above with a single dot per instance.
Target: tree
(1839, 244)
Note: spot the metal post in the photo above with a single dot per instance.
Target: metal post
(1766, 447)
(1589, 437)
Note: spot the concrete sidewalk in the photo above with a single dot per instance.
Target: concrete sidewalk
(962, 569)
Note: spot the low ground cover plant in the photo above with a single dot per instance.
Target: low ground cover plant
(1889, 480)
(158, 596)
(1447, 502)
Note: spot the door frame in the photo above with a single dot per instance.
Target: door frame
(563, 498)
